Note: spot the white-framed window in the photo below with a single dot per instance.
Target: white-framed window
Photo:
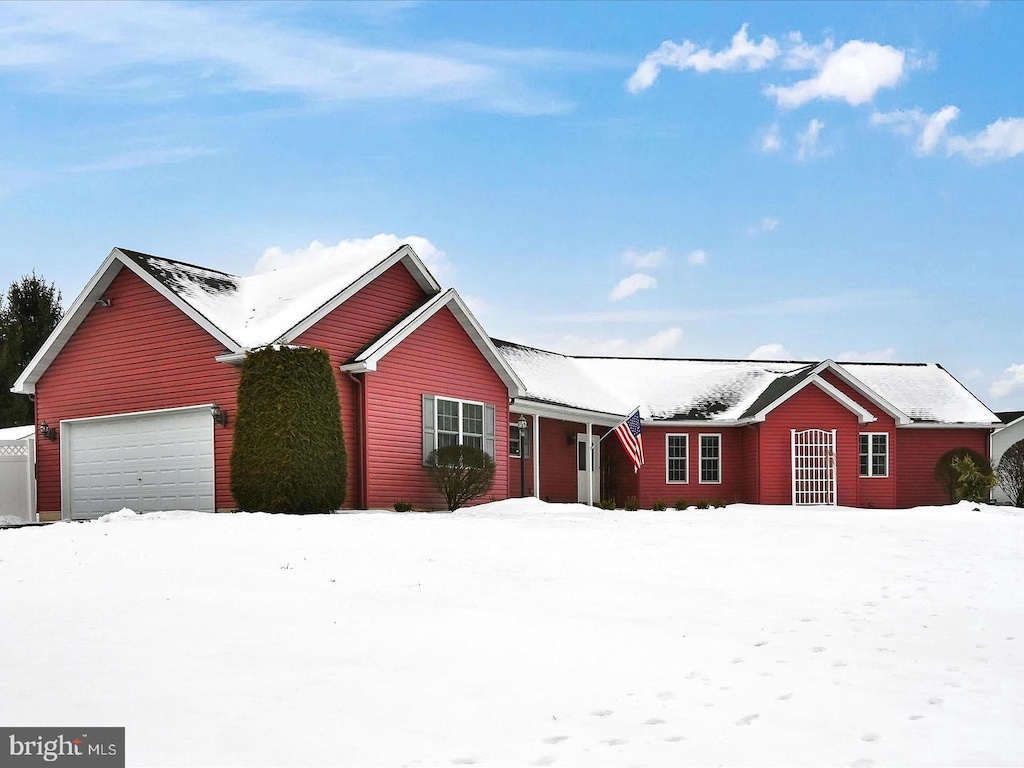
(874, 454)
(451, 421)
(676, 454)
(513, 440)
(711, 458)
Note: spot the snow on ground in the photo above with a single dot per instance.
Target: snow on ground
(520, 633)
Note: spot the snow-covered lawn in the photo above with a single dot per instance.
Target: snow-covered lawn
(520, 633)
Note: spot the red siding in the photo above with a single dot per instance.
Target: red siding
(139, 354)
(750, 464)
(440, 359)
(652, 478)
(918, 451)
(348, 329)
(809, 408)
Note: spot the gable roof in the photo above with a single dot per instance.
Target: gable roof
(1009, 417)
(735, 391)
(240, 312)
(368, 358)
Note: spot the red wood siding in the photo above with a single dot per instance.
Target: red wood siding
(918, 451)
(877, 492)
(139, 354)
(750, 464)
(809, 408)
(653, 485)
(438, 359)
(348, 329)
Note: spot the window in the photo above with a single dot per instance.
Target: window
(675, 458)
(447, 421)
(711, 458)
(513, 441)
(874, 454)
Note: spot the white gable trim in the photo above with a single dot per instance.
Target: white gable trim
(405, 254)
(863, 416)
(370, 357)
(901, 418)
(84, 303)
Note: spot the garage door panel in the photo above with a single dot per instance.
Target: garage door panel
(147, 462)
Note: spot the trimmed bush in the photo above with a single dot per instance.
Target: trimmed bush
(632, 504)
(1010, 473)
(289, 448)
(403, 506)
(949, 477)
(658, 506)
(681, 504)
(460, 473)
(703, 504)
(607, 504)
(972, 483)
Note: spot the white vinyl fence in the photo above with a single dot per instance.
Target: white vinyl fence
(17, 479)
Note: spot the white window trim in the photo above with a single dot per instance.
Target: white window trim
(871, 453)
(700, 459)
(686, 461)
(461, 402)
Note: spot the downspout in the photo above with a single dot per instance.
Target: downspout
(360, 418)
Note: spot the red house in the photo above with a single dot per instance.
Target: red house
(135, 391)
(853, 434)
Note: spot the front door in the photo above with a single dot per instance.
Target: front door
(814, 466)
(581, 468)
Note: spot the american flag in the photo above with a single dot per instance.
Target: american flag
(628, 433)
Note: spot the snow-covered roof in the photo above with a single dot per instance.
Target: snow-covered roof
(727, 391)
(268, 307)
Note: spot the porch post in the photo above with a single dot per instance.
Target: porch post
(536, 456)
(590, 464)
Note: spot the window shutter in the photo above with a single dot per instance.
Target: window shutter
(428, 426)
(489, 430)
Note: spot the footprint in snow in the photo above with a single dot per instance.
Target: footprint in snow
(934, 700)
(805, 620)
(666, 695)
(615, 742)
(747, 720)
(654, 721)
(464, 761)
(870, 737)
(674, 739)
(862, 763)
(759, 643)
(784, 697)
(870, 604)
(738, 660)
(543, 760)
(915, 717)
(819, 649)
(839, 663)
(601, 712)
(555, 739)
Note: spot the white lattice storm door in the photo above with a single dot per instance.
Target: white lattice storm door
(814, 466)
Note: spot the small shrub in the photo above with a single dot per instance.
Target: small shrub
(632, 504)
(948, 477)
(1010, 473)
(403, 506)
(973, 484)
(607, 504)
(460, 473)
(681, 504)
(718, 504)
(703, 504)
(658, 506)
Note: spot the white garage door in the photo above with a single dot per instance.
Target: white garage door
(147, 461)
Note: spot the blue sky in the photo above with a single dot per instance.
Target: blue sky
(791, 180)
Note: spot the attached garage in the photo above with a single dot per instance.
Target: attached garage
(148, 461)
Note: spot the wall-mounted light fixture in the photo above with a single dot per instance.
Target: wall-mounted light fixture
(219, 416)
(570, 438)
(50, 433)
(103, 302)
(522, 454)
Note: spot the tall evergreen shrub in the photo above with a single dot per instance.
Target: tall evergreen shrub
(949, 476)
(289, 446)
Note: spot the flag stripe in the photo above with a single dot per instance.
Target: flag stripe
(628, 432)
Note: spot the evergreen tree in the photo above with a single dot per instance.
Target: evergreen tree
(29, 312)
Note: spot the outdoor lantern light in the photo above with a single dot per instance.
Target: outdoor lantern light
(219, 416)
(50, 433)
(522, 455)
(570, 438)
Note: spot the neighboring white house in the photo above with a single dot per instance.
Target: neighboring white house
(1011, 431)
(17, 474)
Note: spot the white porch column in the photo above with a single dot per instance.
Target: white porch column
(536, 456)
(590, 464)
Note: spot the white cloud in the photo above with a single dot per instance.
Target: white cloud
(773, 351)
(854, 73)
(647, 260)
(801, 55)
(742, 53)
(165, 50)
(766, 224)
(809, 141)
(141, 159)
(1000, 140)
(1013, 380)
(887, 355)
(627, 286)
(931, 128)
(476, 305)
(697, 258)
(660, 344)
(771, 142)
(318, 253)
